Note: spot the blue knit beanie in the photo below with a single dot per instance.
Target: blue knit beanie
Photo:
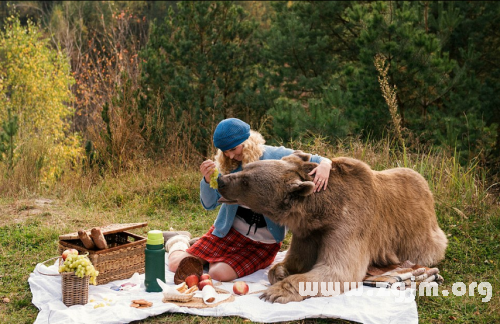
(230, 133)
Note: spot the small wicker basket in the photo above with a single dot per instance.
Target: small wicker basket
(183, 298)
(75, 290)
(188, 266)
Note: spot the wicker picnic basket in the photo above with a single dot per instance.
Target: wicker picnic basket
(123, 257)
(75, 290)
(188, 266)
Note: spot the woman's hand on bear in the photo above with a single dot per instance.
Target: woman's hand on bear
(321, 174)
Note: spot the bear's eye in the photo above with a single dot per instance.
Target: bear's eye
(245, 182)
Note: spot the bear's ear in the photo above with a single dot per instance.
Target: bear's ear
(345, 165)
(303, 156)
(297, 156)
(302, 188)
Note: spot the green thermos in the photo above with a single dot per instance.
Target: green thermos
(155, 261)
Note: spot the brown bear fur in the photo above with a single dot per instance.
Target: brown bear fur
(364, 218)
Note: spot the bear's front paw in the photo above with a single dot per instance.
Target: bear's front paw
(277, 273)
(282, 292)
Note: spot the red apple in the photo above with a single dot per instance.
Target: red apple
(192, 280)
(68, 252)
(240, 288)
(205, 276)
(205, 282)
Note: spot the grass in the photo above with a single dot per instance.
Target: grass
(167, 196)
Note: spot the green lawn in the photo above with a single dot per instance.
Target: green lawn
(168, 197)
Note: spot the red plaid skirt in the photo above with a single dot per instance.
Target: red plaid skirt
(244, 255)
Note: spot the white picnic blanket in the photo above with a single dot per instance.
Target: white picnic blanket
(364, 304)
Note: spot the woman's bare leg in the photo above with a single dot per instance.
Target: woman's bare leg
(221, 271)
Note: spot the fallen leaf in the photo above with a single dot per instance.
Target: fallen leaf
(6, 300)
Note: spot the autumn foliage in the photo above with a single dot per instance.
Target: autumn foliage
(35, 87)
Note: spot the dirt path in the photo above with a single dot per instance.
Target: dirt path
(23, 210)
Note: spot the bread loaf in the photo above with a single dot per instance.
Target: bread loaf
(98, 238)
(86, 240)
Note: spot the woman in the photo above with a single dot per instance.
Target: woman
(240, 242)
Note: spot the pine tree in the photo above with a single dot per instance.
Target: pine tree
(306, 46)
(198, 68)
(470, 37)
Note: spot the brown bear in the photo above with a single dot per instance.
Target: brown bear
(364, 218)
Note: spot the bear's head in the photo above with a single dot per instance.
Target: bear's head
(269, 187)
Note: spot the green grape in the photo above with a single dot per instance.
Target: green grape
(213, 179)
(81, 266)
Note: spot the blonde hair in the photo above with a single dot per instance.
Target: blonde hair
(252, 151)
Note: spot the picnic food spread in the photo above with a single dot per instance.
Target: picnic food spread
(194, 288)
(114, 306)
(85, 252)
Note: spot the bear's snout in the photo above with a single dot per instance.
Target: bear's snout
(220, 183)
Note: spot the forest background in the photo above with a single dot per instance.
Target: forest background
(114, 81)
(110, 94)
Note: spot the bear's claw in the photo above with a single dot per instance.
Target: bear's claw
(282, 292)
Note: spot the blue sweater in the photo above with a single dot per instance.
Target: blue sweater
(225, 218)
